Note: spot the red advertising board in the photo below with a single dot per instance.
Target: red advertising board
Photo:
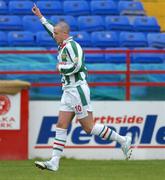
(14, 135)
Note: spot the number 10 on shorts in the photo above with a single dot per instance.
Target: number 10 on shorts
(78, 108)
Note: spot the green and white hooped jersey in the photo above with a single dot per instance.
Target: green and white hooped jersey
(71, 64)
(71, 60)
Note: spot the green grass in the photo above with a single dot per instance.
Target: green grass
(71, 169)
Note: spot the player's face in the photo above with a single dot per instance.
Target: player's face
(58, 34)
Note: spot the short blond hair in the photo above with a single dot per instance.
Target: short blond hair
(63, 26)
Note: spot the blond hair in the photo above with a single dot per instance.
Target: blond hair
(63, 26)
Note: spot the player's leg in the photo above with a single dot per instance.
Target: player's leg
(62, 125)
(105, 132)
(100, 130)
(66, 114)
(64, 120)
(85, 116)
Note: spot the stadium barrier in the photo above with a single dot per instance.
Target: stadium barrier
(128, 72)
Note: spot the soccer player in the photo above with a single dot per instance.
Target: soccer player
(75, 100)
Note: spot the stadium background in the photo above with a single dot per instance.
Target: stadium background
(108, 31)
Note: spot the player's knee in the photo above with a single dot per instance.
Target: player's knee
(87, 130)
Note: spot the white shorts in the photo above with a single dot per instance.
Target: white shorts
(77, 100)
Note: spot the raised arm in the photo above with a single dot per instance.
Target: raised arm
(47, 25)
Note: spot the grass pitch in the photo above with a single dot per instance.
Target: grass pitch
(71, 169)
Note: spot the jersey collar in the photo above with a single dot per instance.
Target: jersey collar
(65, 42)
